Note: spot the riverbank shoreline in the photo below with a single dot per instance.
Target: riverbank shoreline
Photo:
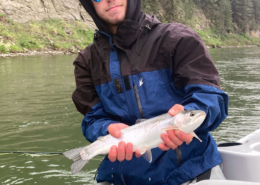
(38, 53)
(54, 52)
(246, 46)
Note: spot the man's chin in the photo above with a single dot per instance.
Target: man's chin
(114, 22)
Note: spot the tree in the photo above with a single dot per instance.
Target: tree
(256, 5)
(224, 16)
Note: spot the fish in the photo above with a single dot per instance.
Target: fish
(144, 135)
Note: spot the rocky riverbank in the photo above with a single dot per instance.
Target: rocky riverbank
(35, 53)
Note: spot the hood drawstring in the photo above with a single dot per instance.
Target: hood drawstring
(147, 28)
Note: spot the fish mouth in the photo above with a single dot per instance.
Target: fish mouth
(202, 114)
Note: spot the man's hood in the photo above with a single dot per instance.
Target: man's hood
(133, 13)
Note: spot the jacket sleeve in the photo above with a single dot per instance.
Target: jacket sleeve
(86, 100)
(196, 75)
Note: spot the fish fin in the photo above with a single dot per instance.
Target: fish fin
(139, 121)
(148, 156)
(170, 127)
(195, 135)
(142, 150)
(78, 158)
(78, 165)
(73, 154)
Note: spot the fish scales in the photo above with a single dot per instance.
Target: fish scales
(139, 134)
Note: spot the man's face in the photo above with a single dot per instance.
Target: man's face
(111, 12)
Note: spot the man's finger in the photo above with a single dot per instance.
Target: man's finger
(121, 151)
(168, 142)
(175, 109)
(112, 154)
(183, 136)
(174, 138)
(129, 151)
(163, 147)
(138, 154)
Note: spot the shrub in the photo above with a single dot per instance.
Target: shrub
(82, 31)
(29, 44)
(3, 49)
(2, 17)
(16, 49)
(24, 43)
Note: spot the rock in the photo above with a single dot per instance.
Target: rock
(27, 10)
(68, 31)
(72, 49)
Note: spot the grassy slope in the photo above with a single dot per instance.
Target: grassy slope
(44, 35)
(214, 40)
(63, 36)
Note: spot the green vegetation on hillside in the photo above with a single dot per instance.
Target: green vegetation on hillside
(237, 16)
(226, 23)
(212, 39)
(44, 35)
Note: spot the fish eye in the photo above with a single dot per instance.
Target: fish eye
(192, 114)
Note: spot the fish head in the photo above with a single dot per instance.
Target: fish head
(188, 120)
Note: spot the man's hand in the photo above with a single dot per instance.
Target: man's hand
(174, 138)
(123, 151)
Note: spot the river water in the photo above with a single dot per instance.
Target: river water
(37, 113)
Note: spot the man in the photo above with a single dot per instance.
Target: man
(138, 68)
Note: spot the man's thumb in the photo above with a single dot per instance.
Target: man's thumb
(175, 109)
(117, 133)
(114, 130)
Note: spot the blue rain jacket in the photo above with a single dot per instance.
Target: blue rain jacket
(175, 68)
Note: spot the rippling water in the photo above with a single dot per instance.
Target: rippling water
(240, 77)
(37, 113)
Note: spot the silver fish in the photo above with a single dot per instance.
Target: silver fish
(144, 136)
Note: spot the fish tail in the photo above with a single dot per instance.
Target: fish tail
(73, 154)
(79, 156)
(78, 165)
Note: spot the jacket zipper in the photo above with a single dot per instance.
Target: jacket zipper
(137, 97)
